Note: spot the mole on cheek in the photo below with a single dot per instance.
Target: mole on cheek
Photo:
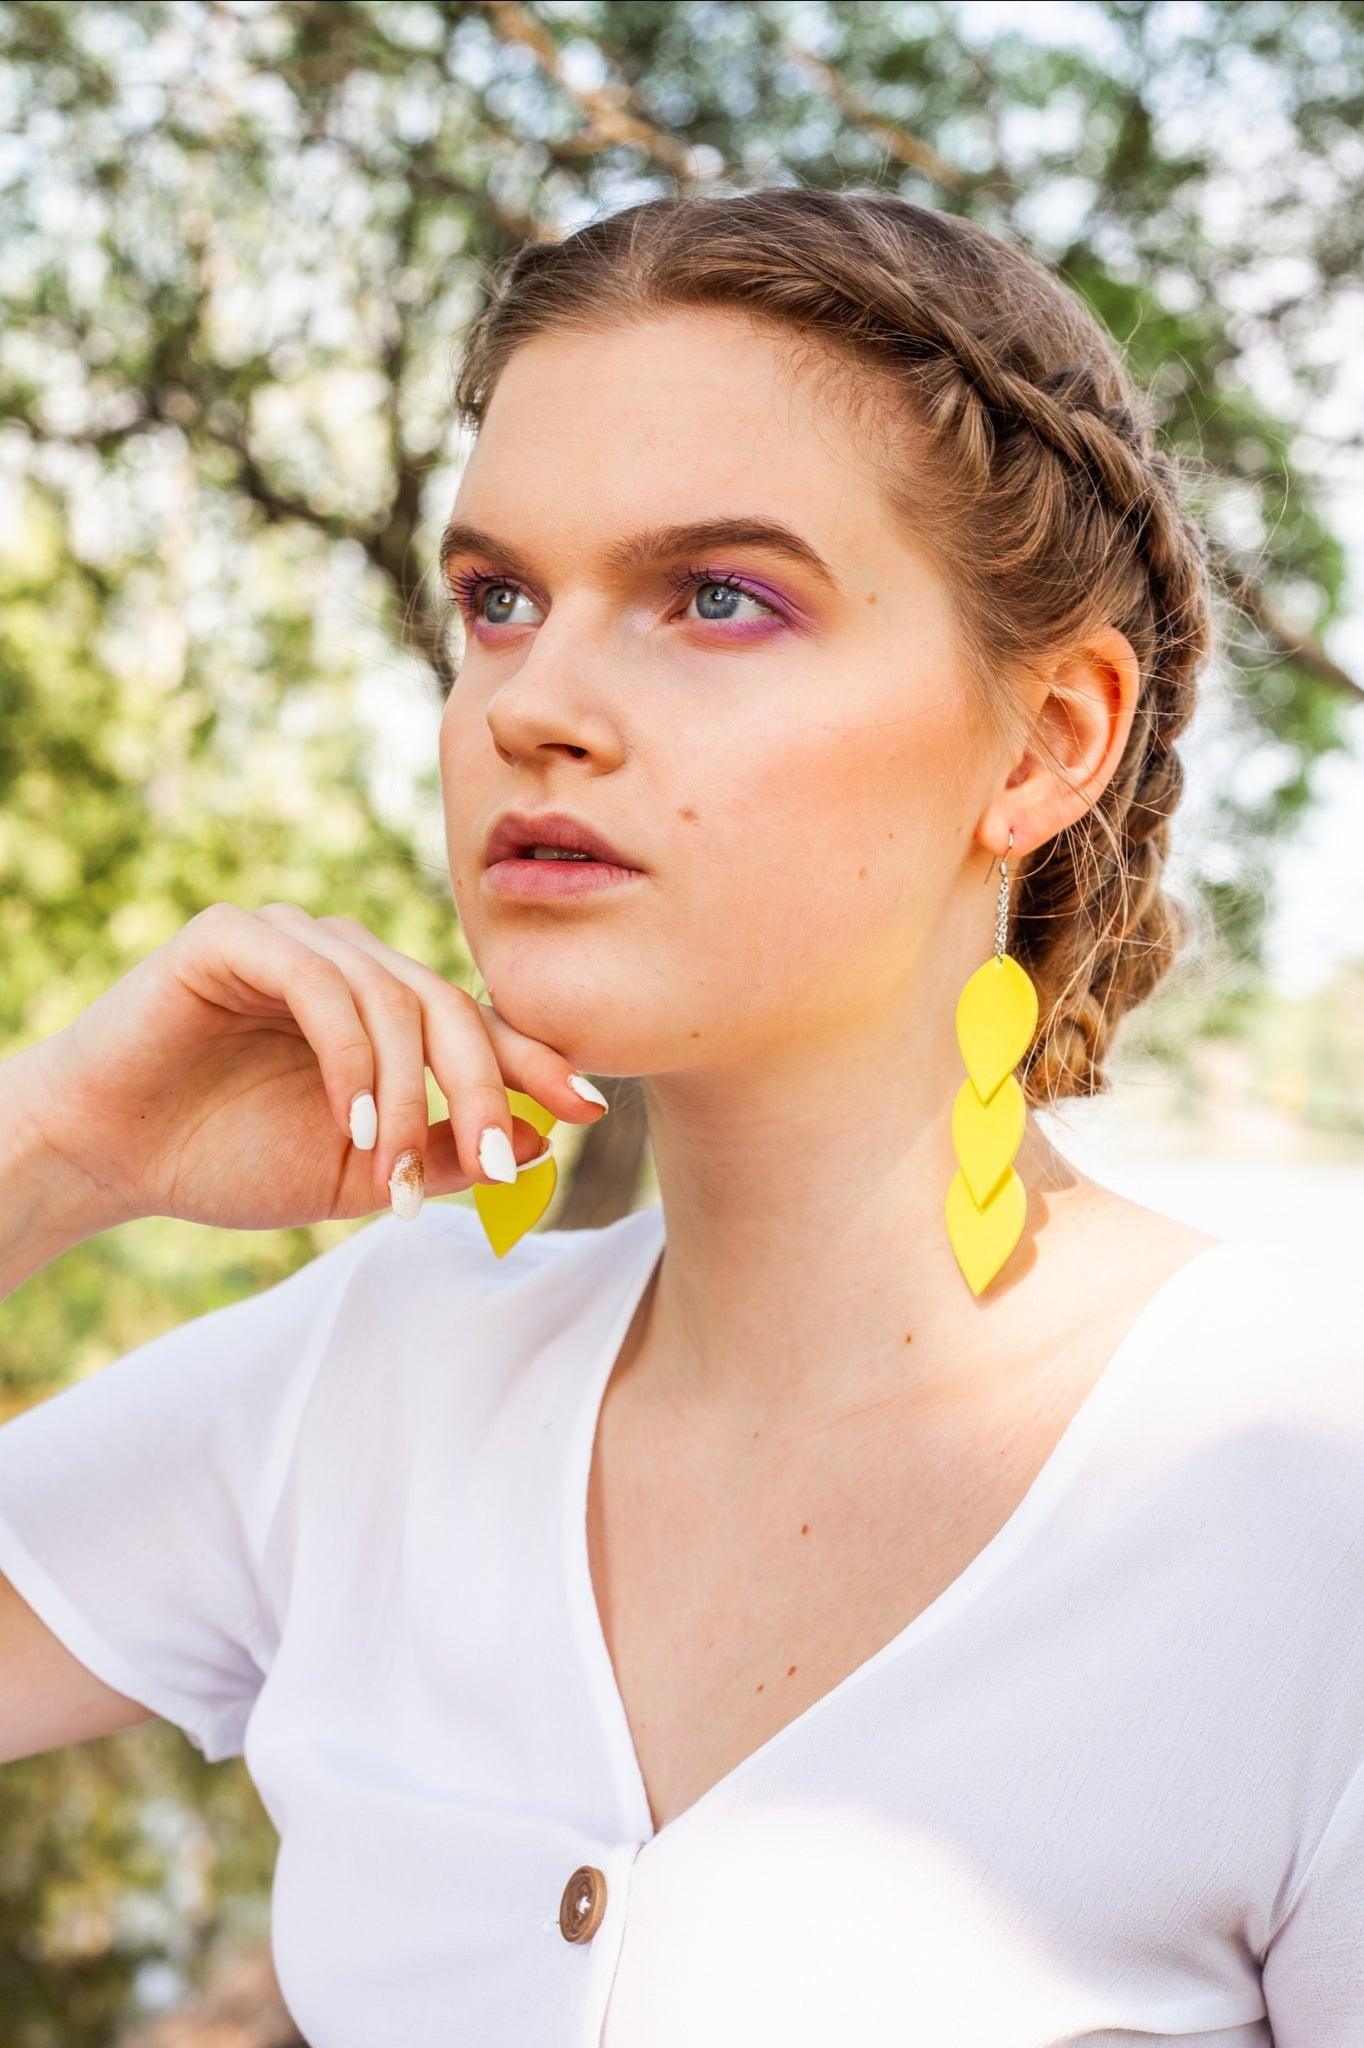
(688, 813)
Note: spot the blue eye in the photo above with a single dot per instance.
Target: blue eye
(468, 588)
(704, 580)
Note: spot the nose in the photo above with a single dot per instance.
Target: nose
(557, 700)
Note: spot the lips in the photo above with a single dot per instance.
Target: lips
(516, 832)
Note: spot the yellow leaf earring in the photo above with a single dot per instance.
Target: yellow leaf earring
(996, 1017)
(508, 1211)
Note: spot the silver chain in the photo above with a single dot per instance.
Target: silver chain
(1002, 910)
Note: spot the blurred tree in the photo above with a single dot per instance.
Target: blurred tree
(239, 244)
(129, 1869)
(243, 2009)
(242, 243)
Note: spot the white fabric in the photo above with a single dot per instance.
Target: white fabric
(1106, 1789)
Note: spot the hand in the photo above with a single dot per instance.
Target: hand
(214, 1081)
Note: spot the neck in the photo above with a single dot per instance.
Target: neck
(808, 1272)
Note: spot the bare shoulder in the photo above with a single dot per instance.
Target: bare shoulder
(1129, 1238)
(1100, 1258)
(1274, 1294)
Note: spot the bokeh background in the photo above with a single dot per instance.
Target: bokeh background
(239, 243)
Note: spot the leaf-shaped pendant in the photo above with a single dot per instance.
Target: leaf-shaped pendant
(986, 1135)
(987, 1203)
(996, 1018)
(508, 1210)
(983, 1238)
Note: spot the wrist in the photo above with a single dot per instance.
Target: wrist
(47, 1202)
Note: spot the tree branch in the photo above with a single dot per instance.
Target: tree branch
(1304, 650)
(611, 113)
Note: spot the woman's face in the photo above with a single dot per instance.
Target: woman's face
(796, 763)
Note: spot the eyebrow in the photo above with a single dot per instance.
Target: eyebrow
(652, 544)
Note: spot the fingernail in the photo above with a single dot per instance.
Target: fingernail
(364, 1122)
(580, 1085)
(406, 1185)
(495, 1154)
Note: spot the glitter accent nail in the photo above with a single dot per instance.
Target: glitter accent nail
(406, 1185)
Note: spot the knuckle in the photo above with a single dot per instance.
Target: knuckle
(315, 970)
(215, 915)
(293, 910)
(347, 927)
(407, 1104)
(395, 999)
(485, 1102)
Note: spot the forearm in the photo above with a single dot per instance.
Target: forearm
(46, 1204)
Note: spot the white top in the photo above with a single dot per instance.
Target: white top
(1107, 1786)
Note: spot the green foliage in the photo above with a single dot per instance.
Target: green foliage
(238, 245)
(135, 788)
(117, 1857)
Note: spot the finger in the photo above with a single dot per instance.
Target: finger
(544, 1074)
(224, 944)
(445, 1173)
(522, 1062)
(452, 1043)
(391, 1013)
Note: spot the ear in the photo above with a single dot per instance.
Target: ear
(1074, 744)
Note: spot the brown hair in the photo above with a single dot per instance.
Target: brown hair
(1003, 406)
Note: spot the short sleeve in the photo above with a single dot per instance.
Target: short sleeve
(135, 1505)
(1313, 1969)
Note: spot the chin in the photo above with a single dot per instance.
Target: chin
(597, 1027)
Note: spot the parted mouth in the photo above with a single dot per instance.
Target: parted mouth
(516, 833)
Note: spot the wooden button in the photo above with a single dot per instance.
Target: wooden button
(582, 1905)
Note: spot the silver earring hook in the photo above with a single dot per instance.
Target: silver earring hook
(1003, 861)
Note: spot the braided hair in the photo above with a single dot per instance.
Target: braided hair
(1010, 440)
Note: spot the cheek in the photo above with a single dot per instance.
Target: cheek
(842, 817)
(785, 883)
(467, 766)
(458, 735)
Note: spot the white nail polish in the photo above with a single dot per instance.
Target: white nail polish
(364, 1122)
(495, 1154)
(406, 1185)
(580, 1085)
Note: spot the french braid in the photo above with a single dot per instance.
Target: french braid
(1011, 440)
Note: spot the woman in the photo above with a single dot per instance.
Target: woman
(924, 1602)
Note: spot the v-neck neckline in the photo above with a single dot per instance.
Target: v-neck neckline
(1047, 1489)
